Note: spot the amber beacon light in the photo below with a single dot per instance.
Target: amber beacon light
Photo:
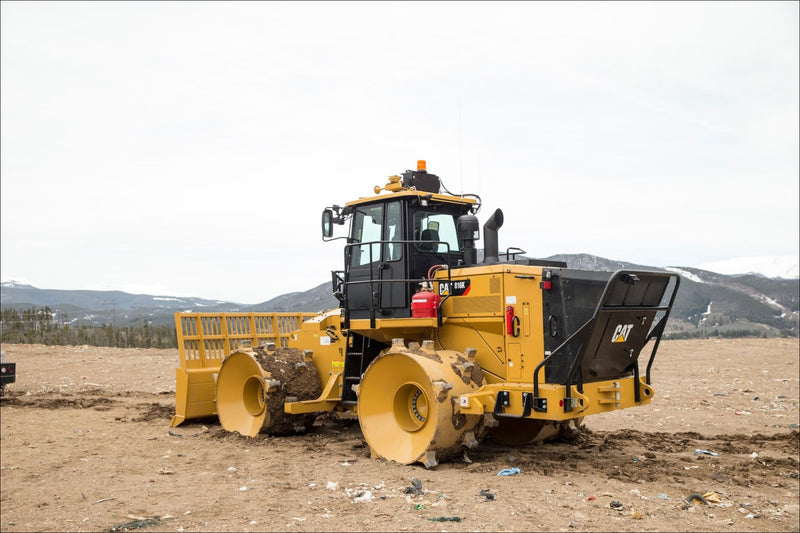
(421, 165)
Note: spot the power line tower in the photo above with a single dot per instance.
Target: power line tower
(113, 304)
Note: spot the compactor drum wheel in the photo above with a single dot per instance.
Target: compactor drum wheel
(408, 405)
(253, 385)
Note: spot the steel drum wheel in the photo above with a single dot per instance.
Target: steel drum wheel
(397, 409)
(408, 408)
(249, 399)
(240, 394)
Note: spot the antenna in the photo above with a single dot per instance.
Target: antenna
(479, 171)
(460, 158)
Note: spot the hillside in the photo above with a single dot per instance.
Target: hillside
(708, 303)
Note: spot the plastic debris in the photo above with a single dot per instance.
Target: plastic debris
(486, 494)
(699, 498)
(366, 497)
(137, 523)
(664, 496)
(615, 505)
(419, 506)
(712, 497)
(415, 488)
(705, 452)
(332, 485)
(753, 455)
(509, 471)
(445, 519)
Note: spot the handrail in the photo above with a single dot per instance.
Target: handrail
(380, 281)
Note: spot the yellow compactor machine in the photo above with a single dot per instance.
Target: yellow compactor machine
(434, 345)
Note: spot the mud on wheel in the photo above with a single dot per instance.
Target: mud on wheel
(254, 384)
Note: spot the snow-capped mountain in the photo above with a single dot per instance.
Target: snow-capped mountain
(781, 266)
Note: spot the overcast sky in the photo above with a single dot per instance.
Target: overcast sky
(188, 148)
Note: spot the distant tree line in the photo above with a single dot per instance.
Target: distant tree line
(36, 326)
(716, 334)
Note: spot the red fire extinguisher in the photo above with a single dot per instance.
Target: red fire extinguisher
(425, 303)
(512, 322)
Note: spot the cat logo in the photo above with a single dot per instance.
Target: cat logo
(621, 332)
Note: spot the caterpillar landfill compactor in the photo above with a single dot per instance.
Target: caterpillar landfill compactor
(432, 347)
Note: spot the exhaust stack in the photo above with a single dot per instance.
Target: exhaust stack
(490, 246)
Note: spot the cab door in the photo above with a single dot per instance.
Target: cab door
(376, 263)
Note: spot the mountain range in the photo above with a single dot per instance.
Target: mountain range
(708, 303)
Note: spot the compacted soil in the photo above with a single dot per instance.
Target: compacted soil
(87, 446)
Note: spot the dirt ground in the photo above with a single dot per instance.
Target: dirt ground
(86, 446)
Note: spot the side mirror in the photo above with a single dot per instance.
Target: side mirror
(327, 224)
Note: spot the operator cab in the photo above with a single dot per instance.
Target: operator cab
(394, 240)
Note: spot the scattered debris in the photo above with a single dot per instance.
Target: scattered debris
(509, 471)
(445, 519)
(364, 497)
(698, 497)
(616, 505)
(486, 494)
(415, 488)
(137, 522)
(705, 452)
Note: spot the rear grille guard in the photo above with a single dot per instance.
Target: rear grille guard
(615, 299)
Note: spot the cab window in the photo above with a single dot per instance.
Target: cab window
(367, 226)
(393, 232)
(370, 226)
(436, 231)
